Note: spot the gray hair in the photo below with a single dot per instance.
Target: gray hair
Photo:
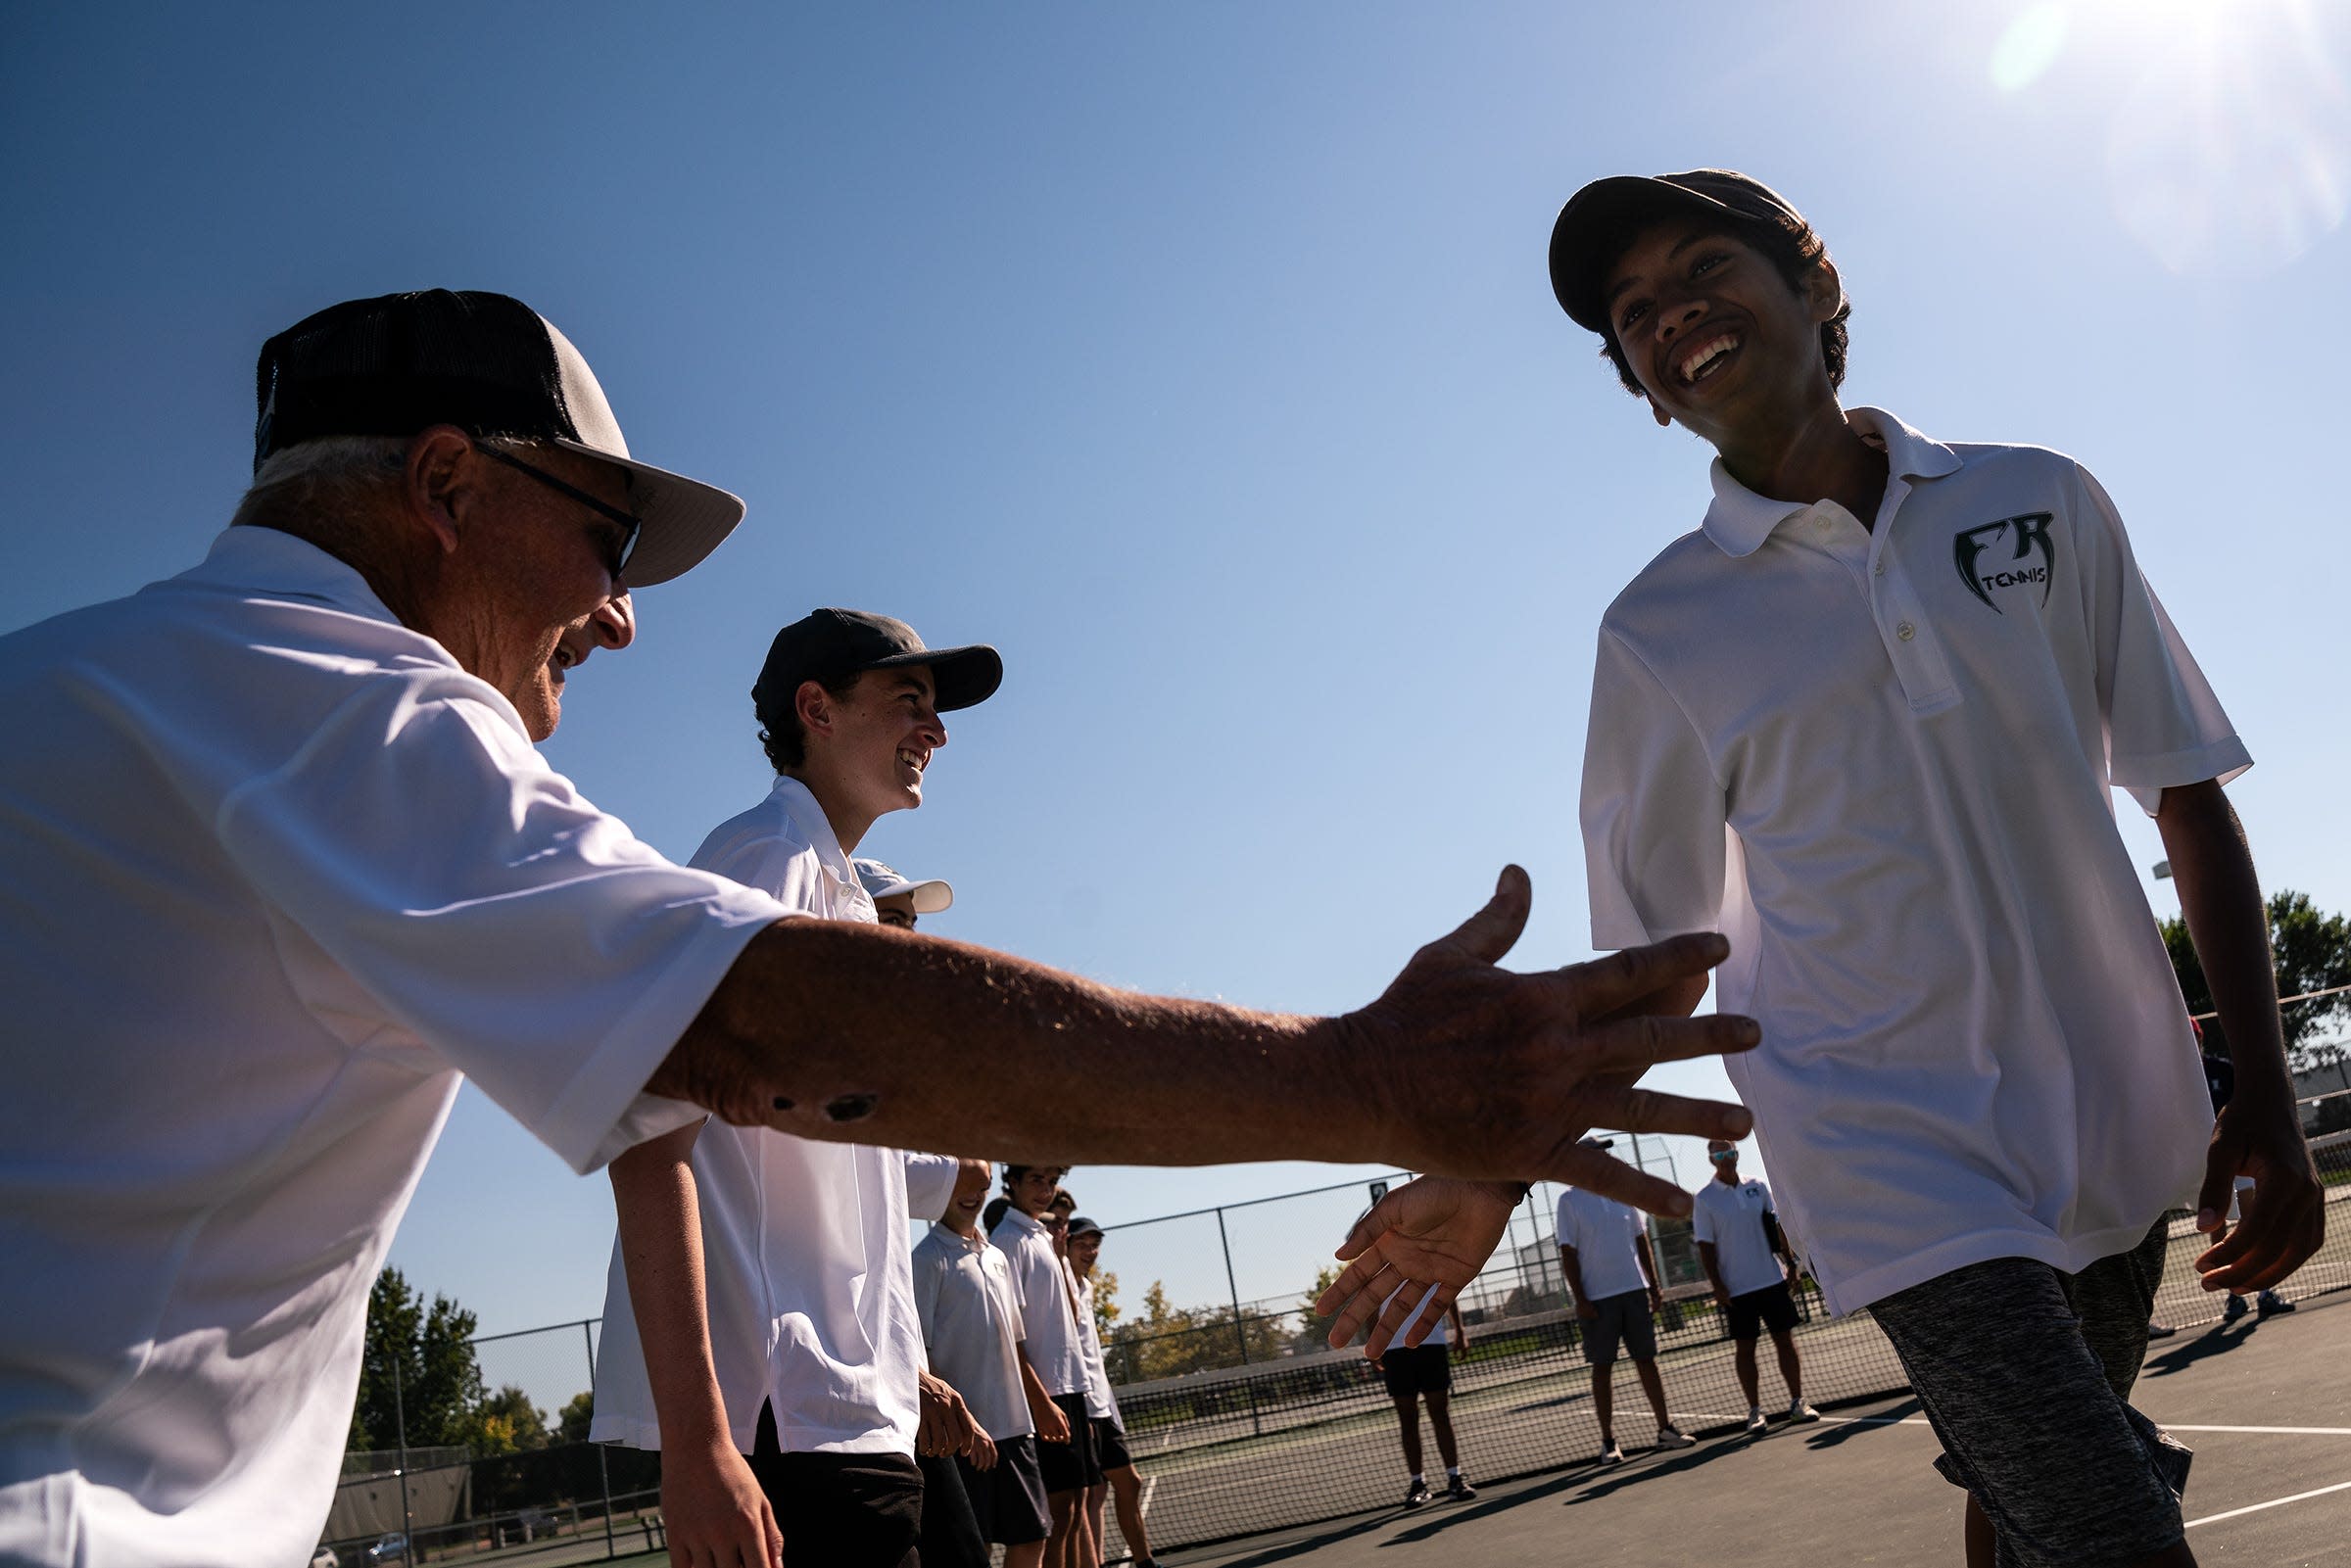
(332, 476)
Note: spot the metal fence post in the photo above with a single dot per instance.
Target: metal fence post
(399, 1423)
(603, 1466)
(1240, 1332)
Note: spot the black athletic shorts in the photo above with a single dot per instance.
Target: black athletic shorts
(1009, 1501)
(1071, 1466)
(845, 1510)
(1623, 1320)
(1415, 1369)
(951, 1537)
(1770, 1307)
(1110, 1445)
(2026, 1374)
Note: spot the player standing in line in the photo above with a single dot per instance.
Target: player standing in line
(964, 1295)
(1746, 1257)
(1050, 1345)
(760, 1322)
(1612, 1276)
(1120, 1477)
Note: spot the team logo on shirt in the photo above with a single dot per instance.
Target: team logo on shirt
(2031, 531)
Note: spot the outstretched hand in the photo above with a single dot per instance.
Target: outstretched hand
(1489, 1074)
(1433, 1232)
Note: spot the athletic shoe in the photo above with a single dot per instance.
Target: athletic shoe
(2269, 1302)
(1611, 1455)
(1459, 1488)
(2234, 1309)
(1755, 1421)
(1800, 1411)
(1670, 1436)
(2160, 1331)
(1415, 1494)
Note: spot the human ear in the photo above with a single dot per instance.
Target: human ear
(814, 705)
(1664, 420)
(435, 483)
(1823, 291)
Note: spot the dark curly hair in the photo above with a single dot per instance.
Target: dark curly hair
(782, 736)
(1795, 250)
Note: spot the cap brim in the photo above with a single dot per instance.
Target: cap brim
(1591, 230)
(960, 678)
(929, 898)
(684, 519)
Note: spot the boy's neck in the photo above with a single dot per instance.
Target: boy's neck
(1728, 1176)
(848, 825)
(1813, 456)
(965, 1226)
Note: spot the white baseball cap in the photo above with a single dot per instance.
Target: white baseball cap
(882, 882)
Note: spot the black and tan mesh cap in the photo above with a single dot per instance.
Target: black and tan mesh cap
(492, 366)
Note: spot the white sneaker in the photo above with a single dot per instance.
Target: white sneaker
(1611, 1455)
(1754, 1418)
(1673, 1437)
(1799, 1410)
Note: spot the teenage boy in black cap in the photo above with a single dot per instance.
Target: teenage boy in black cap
(1051, 1347)
(1866, 722)
(1906, 676)
(1082, 1241)
(761, 1322)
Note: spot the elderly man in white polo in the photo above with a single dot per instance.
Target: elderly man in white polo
(278, 862)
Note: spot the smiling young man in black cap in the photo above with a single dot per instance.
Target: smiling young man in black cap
(769, 1345)
(1866, 721)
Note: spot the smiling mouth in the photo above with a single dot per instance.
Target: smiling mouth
(916, 760)
(1706, 357)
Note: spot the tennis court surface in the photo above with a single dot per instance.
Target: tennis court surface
(2264, 1404)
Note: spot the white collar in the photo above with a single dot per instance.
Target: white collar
(267, 561)
(800, 806)
(971, 1244)
(1739, 521)
(1016, 1213)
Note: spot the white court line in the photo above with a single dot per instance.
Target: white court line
(2167, 1426)
(2273, 1503)
(1142, 1505)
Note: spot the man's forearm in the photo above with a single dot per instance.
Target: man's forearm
(661, 1253)
(2220, 898)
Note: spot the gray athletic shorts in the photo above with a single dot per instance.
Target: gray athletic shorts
(2026, 1373)
(1623, 1319)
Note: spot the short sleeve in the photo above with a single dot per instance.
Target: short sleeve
(1562, 1225)
(2164, 727)
(1703, 1226)
(1765, 1193)
(484, 907)
(929, 1266)
(1654, 814)
(929, 1184)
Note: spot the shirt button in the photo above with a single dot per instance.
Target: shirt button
(1877, 570)
(1905, 631)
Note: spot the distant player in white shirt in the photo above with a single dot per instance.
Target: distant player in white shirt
(1612, 1276)
(1413, 1373)
(1742, 1250)
(1120, 1478)
(1052, 1348)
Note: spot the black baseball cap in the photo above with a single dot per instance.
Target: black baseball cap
(490, 365)
(1600, 221)
(832, 645)
(1080, 1225)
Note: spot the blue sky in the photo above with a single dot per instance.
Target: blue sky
(1200, 357)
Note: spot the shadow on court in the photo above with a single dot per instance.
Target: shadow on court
(2266, 1408)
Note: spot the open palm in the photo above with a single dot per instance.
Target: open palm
(1431, 1232)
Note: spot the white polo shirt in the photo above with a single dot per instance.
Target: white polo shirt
(1879, 762)
(274, 871)
(1606, 1235)
(1440, 1334)
(1731, 1219)
(1100, 1402)
(809, 1287)
(1041, 1289)
(971, 1327)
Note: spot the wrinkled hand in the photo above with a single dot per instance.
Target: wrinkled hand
(714, 1512)
(1488, 1074)
(1431, 1232)
(946, 1425)
(2284, 1217)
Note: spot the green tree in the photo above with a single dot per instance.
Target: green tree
(572, 1425)
(1169, 1341)
(438, 1383)
(1314, 1328)
(1106, 1303)
(2313, 954)
(507, 1422)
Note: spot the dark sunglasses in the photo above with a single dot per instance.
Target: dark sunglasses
(629, 521)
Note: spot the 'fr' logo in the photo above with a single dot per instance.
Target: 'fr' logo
(2032, 530)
